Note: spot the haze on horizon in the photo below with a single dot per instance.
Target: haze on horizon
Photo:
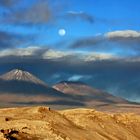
(96, 42)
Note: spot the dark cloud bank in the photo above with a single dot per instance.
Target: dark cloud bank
(120, 77)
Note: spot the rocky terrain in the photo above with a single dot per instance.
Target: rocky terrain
(44, 123)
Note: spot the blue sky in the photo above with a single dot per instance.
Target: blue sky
(107, 16)
(100, 47)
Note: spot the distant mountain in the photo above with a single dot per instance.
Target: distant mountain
(19, 87)
(20, 75)
(88, 94)
(18, 81)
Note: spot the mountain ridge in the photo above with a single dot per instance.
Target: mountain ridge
(18, 88)
(79, 88)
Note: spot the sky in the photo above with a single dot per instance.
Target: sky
(94, 41)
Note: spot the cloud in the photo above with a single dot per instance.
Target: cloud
(8, 40)
(46, 53)
(34, 52)
(128, 39)
(13, 40)
(87, 42)
(29, 51)
(4, 37)
(16, 14)
(79, 77)
(75, 78)
(123, 40)
(37, 12)
(103, 71)
(125, 37)
(51, 54)
(17, 17)
(100, 56)
(84, 16)
(80, 15)
(123, 34)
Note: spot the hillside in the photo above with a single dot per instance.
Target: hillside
(43, 123)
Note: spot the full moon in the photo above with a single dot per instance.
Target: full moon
(61, 32)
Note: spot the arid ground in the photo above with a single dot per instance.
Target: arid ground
(44, 123)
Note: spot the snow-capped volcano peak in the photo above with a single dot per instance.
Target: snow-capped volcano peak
(20, 75)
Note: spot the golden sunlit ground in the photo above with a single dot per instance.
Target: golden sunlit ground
(43, 123)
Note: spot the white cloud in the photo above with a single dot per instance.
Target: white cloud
(99, 56)
(123, 34)
(75, 77)
(75, 12)
(29, 51)
(53, 54)
(79, 77)
(38, 52)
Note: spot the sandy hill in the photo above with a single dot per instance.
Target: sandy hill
(43, 123)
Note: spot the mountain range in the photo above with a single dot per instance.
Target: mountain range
(18, 88)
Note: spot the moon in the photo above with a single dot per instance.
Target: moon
(62, 32)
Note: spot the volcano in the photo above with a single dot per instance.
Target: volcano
(87, 92)
(23, 82)
(18, 88)
(95, 98)
(19, 75)
(23, 88)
